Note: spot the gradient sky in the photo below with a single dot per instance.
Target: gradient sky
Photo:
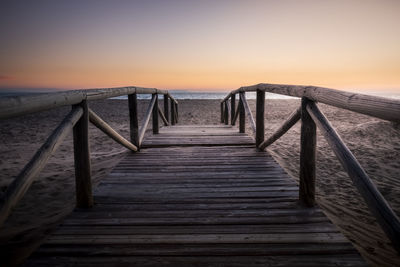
(200, 45)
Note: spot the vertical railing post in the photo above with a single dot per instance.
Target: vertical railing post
(226, 112)
(176, 112)
(233, 108)
(83, 181)
(260, 108)
(172, 112)
(242, 114)
(133, 119)
(308, 143)
(166, 107)
(155, 114)
(222, 112)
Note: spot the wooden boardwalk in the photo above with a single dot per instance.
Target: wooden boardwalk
(197, 196)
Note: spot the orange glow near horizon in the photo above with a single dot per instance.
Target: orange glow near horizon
(201, 45)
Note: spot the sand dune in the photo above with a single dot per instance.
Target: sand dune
(375, 143)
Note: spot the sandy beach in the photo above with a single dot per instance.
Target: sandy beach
(374, 142)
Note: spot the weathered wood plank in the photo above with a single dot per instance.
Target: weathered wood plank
(193, 203)
(331, 260)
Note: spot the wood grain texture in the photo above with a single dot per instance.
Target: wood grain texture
(308, 146)
(83, 173)
(17, 189)
(225, 205)
(380, 107)
(12, 106)
(376, 203)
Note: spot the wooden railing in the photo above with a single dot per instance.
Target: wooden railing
(78, 120)
(311, 117)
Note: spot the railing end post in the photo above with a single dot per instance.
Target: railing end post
(83, 180)
(308, 142)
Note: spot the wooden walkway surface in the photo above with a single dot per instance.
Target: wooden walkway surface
(197, 196)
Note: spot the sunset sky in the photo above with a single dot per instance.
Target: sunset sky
(200, 45)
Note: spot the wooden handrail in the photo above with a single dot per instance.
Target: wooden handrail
(311, 117)
(108, 130)
(13, 106)
(78, 120)
(379, 107)
(18, 187)
(385, 216)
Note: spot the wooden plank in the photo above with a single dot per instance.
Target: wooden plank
(331, 260)
(18, 187)
(203, 229)
(289, 238)
(196, 221)
(199, 250)
(197, 204)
